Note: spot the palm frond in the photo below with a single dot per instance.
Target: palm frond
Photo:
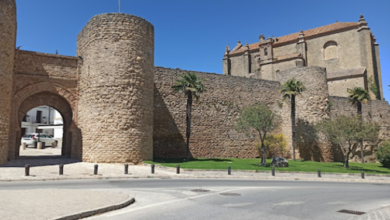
(189, 83)
(358, 95)
(291, 88)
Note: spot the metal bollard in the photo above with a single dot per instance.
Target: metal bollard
(24, 145)
(152, 168)
(27, 170)
(178, 169)
(95, 171)
(126, 168)
(362, 174)
(229, 170)
(273, 171)
(61, 169)
(319, 173)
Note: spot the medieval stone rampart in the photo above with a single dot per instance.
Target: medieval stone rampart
(374, 111)
(116, 88)
(7, 51)
(213, 115)
(311, 107)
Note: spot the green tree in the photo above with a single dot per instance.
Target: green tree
(258, 118)
(290, 90)
(357, 96)
(192, 86)
(383, 154)
(347, 132)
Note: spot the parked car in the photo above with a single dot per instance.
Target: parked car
(31, 139)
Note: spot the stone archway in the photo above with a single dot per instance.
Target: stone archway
(56, 97)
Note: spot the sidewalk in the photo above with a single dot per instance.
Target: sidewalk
(58, 203)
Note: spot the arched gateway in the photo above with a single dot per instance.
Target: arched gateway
(105, 94)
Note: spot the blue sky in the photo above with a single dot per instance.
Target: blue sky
(193, 34)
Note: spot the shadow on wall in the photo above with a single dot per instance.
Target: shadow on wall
(168, 142)
(307, 142)
(369, 154)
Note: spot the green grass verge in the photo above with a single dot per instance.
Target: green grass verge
(253, 164)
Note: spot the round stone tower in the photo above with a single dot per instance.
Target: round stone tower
(116, 88)
(7, 56)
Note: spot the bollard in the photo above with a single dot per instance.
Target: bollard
(273, 170)
(27, 170)
(39, 145)
(95, 171)
(362, 174)
(152, 168)
(229, 170)
(178, 169)
(126, 168)
(319, 173)
(61, 169)
(24, 145)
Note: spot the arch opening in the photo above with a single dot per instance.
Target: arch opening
(44, 125)
(68, 146)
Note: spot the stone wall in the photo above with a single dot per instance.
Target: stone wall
(44, 64)
(213, 115)
(311, 107)
(7, 51)
(116, 88)
(340, 87)
(375, 111)
(45, 79)
(348, 51)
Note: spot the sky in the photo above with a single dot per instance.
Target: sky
(193, 34)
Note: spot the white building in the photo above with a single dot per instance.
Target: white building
(43, 119)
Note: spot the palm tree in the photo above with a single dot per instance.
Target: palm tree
(358, 96)
(290, 90)
(191, 85)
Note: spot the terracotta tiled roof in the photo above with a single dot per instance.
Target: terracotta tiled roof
(308, 34)
(317, 31)
(344, 73)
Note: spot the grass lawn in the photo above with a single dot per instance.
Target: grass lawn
(253, 164)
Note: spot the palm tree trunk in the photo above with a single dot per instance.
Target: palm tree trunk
(188, 120)
(293, 123)
(359, 111)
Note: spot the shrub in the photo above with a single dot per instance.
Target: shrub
(275, 145)
(383, 154)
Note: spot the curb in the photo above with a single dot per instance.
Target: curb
(92, 212)
(183, 176)
(261, 171)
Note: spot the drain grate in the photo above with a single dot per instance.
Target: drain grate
(351, 212)
(200, 190)
(230, 194)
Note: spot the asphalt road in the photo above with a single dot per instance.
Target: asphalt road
(251, 199)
